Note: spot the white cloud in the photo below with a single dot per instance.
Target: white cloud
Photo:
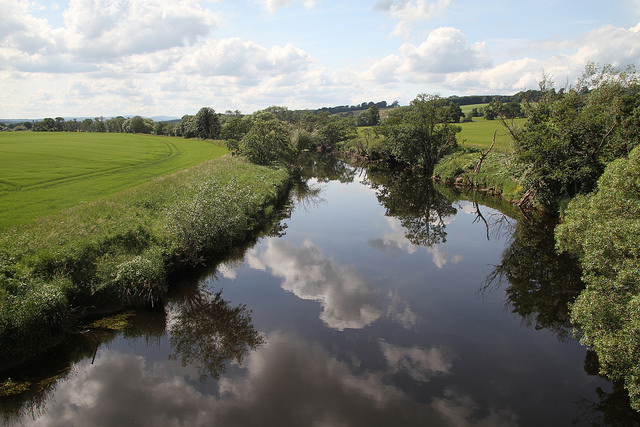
(347, 299)
(104, 29)
(244, 60)
(413, 10)
(274, 5)
(444, 51)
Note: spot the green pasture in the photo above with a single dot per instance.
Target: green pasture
(479, 134)
(45, 172)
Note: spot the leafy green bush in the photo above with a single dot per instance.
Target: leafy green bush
(603, 230)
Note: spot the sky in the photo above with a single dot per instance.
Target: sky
(91, 58)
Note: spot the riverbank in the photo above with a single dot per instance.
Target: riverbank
(117, 252)
(497, 174)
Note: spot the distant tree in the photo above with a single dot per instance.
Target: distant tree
(455, 112)
(235, 127)
(420, 134)
(511, 110)
(187, 127)
(85, 125)
(28, 125)
(98, 125)
(331, 130)
(491, 111)
(370, 117)
(207, 124)
(268, 141)
(114, 124)
(138, 124)
(59, 124)
(160, 128)
(71, 126)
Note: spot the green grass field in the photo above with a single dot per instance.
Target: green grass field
(479, 134)
(43, 173)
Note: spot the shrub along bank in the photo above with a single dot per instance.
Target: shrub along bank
(117, 251)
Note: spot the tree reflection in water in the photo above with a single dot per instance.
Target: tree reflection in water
(413, 200)
(207, 332)
(540, 283)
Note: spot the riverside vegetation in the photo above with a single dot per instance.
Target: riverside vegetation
(116, 251)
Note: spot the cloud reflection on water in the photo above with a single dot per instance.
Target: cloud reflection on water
(288, 382)
(347, 299)
(395, 243)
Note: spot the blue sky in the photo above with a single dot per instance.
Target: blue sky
(168, 57)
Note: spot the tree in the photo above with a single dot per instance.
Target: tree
(268, 142)
(603, 231)
(85, 125)
(71, 126)
(207, 124)
(455, 112)
(370, 117)
(138, 124)
(235, 127)
(187, 127)
(47, 125)
(421, 134)
(114, 124)
(98, 125)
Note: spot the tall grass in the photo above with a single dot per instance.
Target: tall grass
(117, 251)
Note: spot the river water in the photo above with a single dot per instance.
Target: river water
(376, 301)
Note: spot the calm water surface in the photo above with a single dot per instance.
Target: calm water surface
(377, 301)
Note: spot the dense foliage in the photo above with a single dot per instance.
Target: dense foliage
(421, 134)
(603, 230)
(570, 136)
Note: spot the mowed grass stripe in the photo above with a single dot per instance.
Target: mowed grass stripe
(43, 173)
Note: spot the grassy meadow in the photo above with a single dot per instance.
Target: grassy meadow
(479, 134)
(498, 171)
(45, 172)
(116, 250)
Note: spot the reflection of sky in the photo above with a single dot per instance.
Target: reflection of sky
(419, 363)
(347, 299)
(288, 382)
(394, 242)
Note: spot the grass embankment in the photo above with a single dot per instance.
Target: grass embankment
(117, 251)
(498, 171)
(45, 172)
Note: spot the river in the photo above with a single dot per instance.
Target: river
(377, 300)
